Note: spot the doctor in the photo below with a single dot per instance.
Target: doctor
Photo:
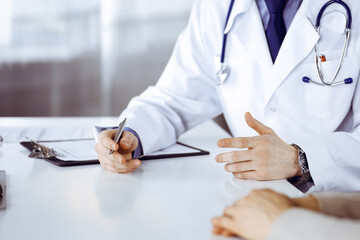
(269, 60)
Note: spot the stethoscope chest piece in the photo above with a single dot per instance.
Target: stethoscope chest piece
(222, 75)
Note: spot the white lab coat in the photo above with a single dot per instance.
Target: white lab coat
(324, 121)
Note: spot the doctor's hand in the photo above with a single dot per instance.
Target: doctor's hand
(266, 157)
(258, 210)
(120, 160)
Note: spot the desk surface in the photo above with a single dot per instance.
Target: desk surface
(164, 199)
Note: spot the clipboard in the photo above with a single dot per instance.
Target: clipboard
(66, 163)
(58, 162)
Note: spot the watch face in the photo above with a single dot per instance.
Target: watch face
(303, 162)
(302, 159)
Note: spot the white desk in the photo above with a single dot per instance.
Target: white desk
(164, 199)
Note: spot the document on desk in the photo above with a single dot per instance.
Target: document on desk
(173, 151)
(73, 150)
(18, 134)
(84, 150)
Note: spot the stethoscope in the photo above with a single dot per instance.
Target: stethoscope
(224, 71)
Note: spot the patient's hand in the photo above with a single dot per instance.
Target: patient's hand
(120, 160)
(251, 217)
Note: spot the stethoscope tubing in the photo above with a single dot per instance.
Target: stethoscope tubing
(322, 10)
(223, 48)
(346, 42)
(224, 70)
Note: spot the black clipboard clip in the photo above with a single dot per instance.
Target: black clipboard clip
(40, 151)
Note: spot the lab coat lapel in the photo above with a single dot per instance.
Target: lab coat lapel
(298, 44)
(239, 7)
(249, 30)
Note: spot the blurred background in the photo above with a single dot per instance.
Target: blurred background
(83, 57)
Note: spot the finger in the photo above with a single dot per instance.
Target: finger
(227, 233)
(230, 211)
(106, 139)
(116, 159)
(224, 223)
(259, 127)
(239, 142)
(104, 152)
(128, 142)
(116, 170)
(240, 203)
(245, 175)
(129, 166)
(236, 156)
(217, 230)
(240, 167)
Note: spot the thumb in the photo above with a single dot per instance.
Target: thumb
(256, 125)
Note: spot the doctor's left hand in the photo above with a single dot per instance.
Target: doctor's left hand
(267, 156)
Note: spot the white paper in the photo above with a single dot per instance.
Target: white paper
(77, 150)
(83, 150)
(18, 134)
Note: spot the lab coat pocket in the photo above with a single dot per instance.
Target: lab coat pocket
(331, 102)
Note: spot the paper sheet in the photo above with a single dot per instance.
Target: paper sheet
(18, 134)
(83, 150)
(78, 150)
(174, 149)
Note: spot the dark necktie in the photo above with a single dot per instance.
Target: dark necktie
(276, 30)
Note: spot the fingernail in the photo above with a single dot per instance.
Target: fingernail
(221, 143)
(113, 146)
(126, 144)
(217, 158)
(137, 163)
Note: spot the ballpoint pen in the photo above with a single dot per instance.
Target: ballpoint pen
(118, 133)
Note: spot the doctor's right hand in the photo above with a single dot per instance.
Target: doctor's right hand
(120, 160)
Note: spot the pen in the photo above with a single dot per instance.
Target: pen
(118, 133)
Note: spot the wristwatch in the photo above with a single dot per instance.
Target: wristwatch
(305, 173)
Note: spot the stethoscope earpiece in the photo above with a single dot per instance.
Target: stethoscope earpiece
(346, 81)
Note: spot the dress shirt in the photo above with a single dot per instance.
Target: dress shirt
(290, 10)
